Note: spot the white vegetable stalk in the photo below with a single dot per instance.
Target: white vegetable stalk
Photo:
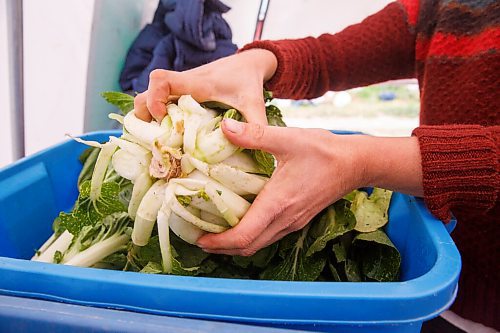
(127, 165)
(164, 236)
(243, 162)
(205, 206)
(61, 244)
(141, 186)
(44, 246)
(147, 213)
(99, 251)
(193, 117)
(100, 168)
(214, 147)
(117, 117)
(240, 182)
(178, 209)
(177, 118)
(212, 218)
(238, 205)
(185, 230)
(143, 131)
(221, 205)
(141, 154)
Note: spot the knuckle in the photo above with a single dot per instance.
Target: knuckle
(158, 74)
(256, 131)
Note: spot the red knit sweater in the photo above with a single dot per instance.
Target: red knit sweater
(452, 47)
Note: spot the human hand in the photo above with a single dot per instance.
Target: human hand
(309, 176)
(236, 80)
(315, 168)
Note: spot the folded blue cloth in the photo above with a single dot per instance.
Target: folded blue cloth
(183, 35)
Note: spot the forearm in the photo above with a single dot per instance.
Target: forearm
(390, 163)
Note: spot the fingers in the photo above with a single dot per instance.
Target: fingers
(164, 86)
(140, 109)
(276, 140)
(158, 93)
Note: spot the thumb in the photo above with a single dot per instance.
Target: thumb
(256, 136)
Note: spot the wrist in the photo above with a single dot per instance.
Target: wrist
(391, 163)
(264, 62)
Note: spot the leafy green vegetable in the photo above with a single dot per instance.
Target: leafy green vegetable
(340, 252)
(87, 212)
(274, 116)
(122, 101)
(335, 221)
(265, 161)
(260, 259)
(233, 114)
(334, 272)
(378, 257)
(371, 211)
(268, 96)
(184, 200)
(296, 266)
(58, 257)
(188, 255)
(352, 271)
(152, 268)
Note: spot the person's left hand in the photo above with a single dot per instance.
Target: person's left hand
(315, 168)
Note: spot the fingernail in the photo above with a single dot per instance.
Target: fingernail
(233, 126)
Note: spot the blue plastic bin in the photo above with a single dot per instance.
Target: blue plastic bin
(34, 190)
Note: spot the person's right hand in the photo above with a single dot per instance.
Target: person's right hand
(236, 80)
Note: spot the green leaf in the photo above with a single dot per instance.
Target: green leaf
(340, 252)
(335, 273)
(350, 196)
(142, 255)
(216, 105)
(58, 256)
(260, 259)
(116, 261)
(203, 195)
(295, 265)
(371, 212)
(152, 268)
(274, 116)
(265, 161)
(335, 221)
(122, 101)
(268, 95)
(379, 258)
(188, 255)
(57, 227)
(233, 114)
(229, 272)
(184, 200)
(87, 212)
(352, 271)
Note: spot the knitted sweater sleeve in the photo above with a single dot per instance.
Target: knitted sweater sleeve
(380, 48)
(460, 165)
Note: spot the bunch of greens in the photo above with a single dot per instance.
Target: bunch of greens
(146, 197)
